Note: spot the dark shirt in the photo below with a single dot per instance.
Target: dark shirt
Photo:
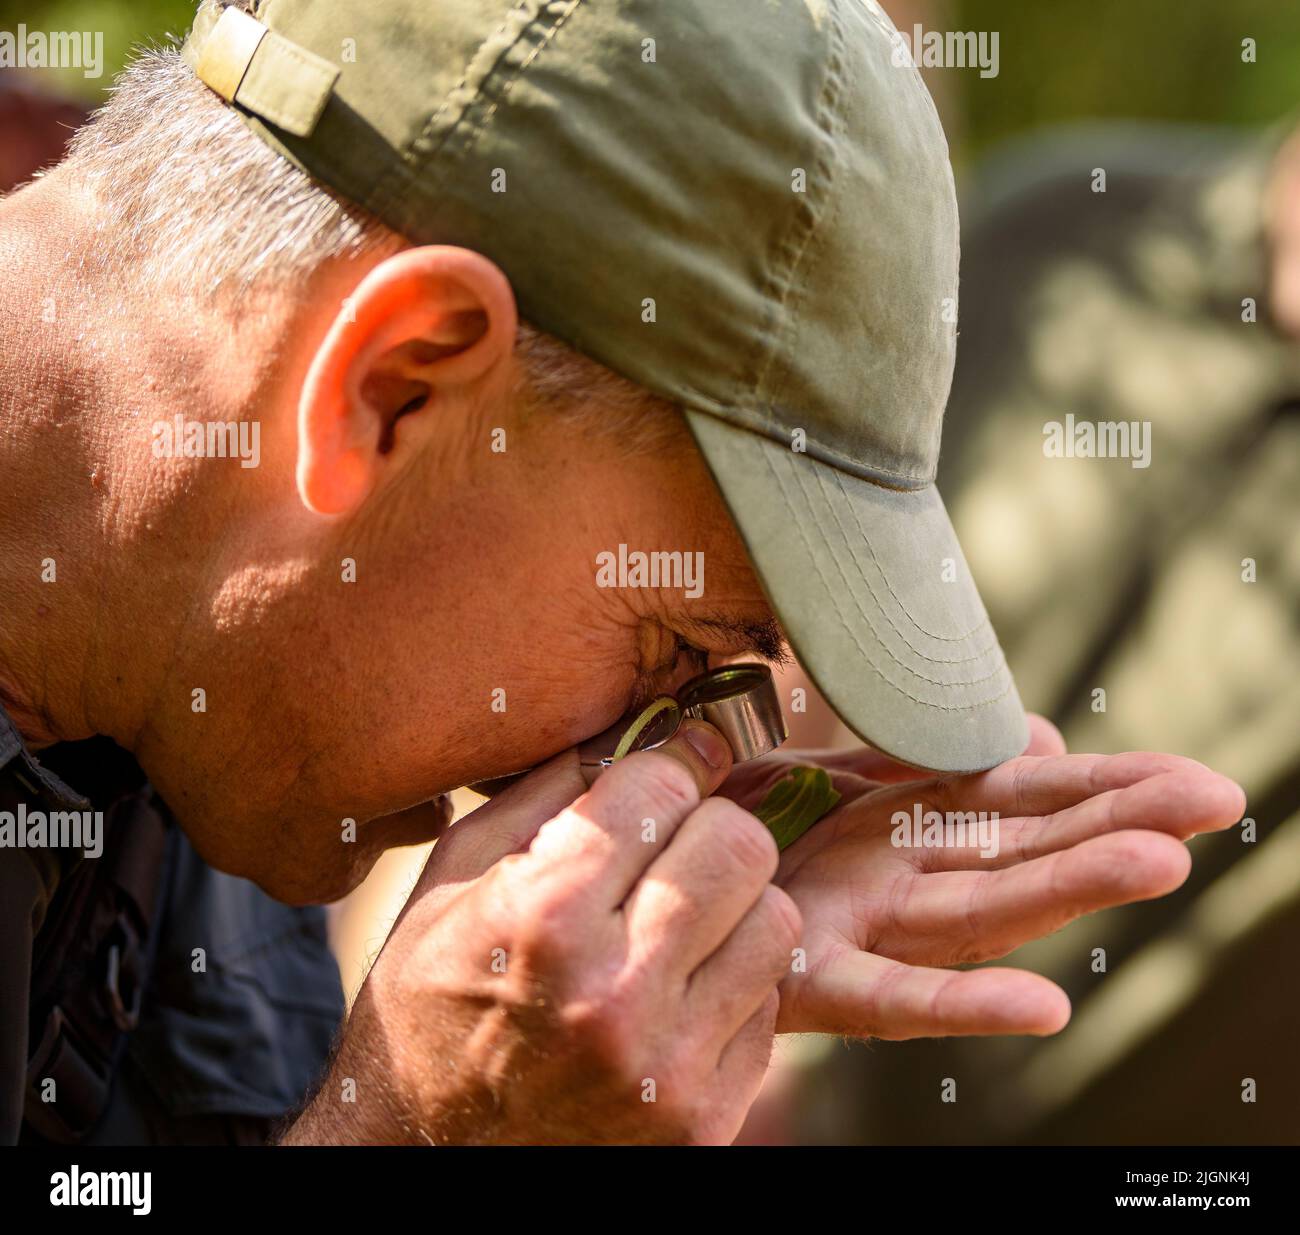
(242, 998)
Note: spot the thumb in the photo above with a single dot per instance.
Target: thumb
(700, 749)
(508, 822)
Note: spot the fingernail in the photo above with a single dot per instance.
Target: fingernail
(708, 743)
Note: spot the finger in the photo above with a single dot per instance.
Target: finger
(744, 1062)
(1181, 804)
(691, 898)
(872, 767)
(612, 833)
(858, 771)
(875, 768)
(1029, 785)
(862, 995)
(975, 915)
(734, 982)
(417, 825)
(1044, 737)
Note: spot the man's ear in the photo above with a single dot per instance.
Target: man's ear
(425, 323)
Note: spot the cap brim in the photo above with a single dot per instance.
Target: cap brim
(873, 591)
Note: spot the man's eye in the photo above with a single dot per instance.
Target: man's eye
(690, 650)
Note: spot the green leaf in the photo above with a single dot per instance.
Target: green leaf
(797, 801)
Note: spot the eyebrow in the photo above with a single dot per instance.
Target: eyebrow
(763, 638)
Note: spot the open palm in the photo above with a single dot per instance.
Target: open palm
(1077, 833)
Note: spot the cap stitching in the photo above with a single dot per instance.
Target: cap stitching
(795, 241)
(848, 630)
(479, 128)
(978, 628)
(807, 226)
(387, 187)
(418, 153)
(999, 667)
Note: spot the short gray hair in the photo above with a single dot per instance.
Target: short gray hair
(200, 205)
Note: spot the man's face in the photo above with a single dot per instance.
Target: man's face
(457, 629)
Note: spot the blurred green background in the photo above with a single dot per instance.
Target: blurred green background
(1176, 60)
(125, 23)
(1060, 61)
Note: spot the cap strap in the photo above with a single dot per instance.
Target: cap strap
(259, 69)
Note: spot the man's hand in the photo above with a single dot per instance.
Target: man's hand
(607, 975)
(1076, 834)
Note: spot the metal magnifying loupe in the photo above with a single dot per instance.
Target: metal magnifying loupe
(740, 701)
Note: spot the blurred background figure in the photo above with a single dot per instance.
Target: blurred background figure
(1172, 298)
(1155, 603)
(35, 125)
(1149, 274)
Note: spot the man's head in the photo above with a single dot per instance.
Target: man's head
(402, 595)
(406, 593)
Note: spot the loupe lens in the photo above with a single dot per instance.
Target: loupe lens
(740, 701)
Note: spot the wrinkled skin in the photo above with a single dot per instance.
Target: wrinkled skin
(1078, 833)
(378, 388)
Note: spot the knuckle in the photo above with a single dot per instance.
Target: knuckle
(665, 783)
(742, 838)
(509, 878)
(512, 868)
(773, 936)
(606, 1036)
(648, 785)
(1123, 851)
(542, 906)
(677, 908)
(784, 921)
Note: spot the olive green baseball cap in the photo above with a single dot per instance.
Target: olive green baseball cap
(744, 206)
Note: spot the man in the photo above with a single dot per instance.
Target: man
(733, 235)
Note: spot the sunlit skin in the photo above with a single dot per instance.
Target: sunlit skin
(325, 700)
(328, 700)
(1077, 833)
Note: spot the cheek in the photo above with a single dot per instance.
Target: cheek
(567, 650)
(572, 671)
(520, 682)
(483, 671)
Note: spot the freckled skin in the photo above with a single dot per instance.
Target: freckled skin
(325, 700)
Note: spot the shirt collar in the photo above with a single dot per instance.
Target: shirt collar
(17, 762)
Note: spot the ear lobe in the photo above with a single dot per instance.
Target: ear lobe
(423, 326)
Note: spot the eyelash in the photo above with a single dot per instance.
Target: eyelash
(684, 645)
